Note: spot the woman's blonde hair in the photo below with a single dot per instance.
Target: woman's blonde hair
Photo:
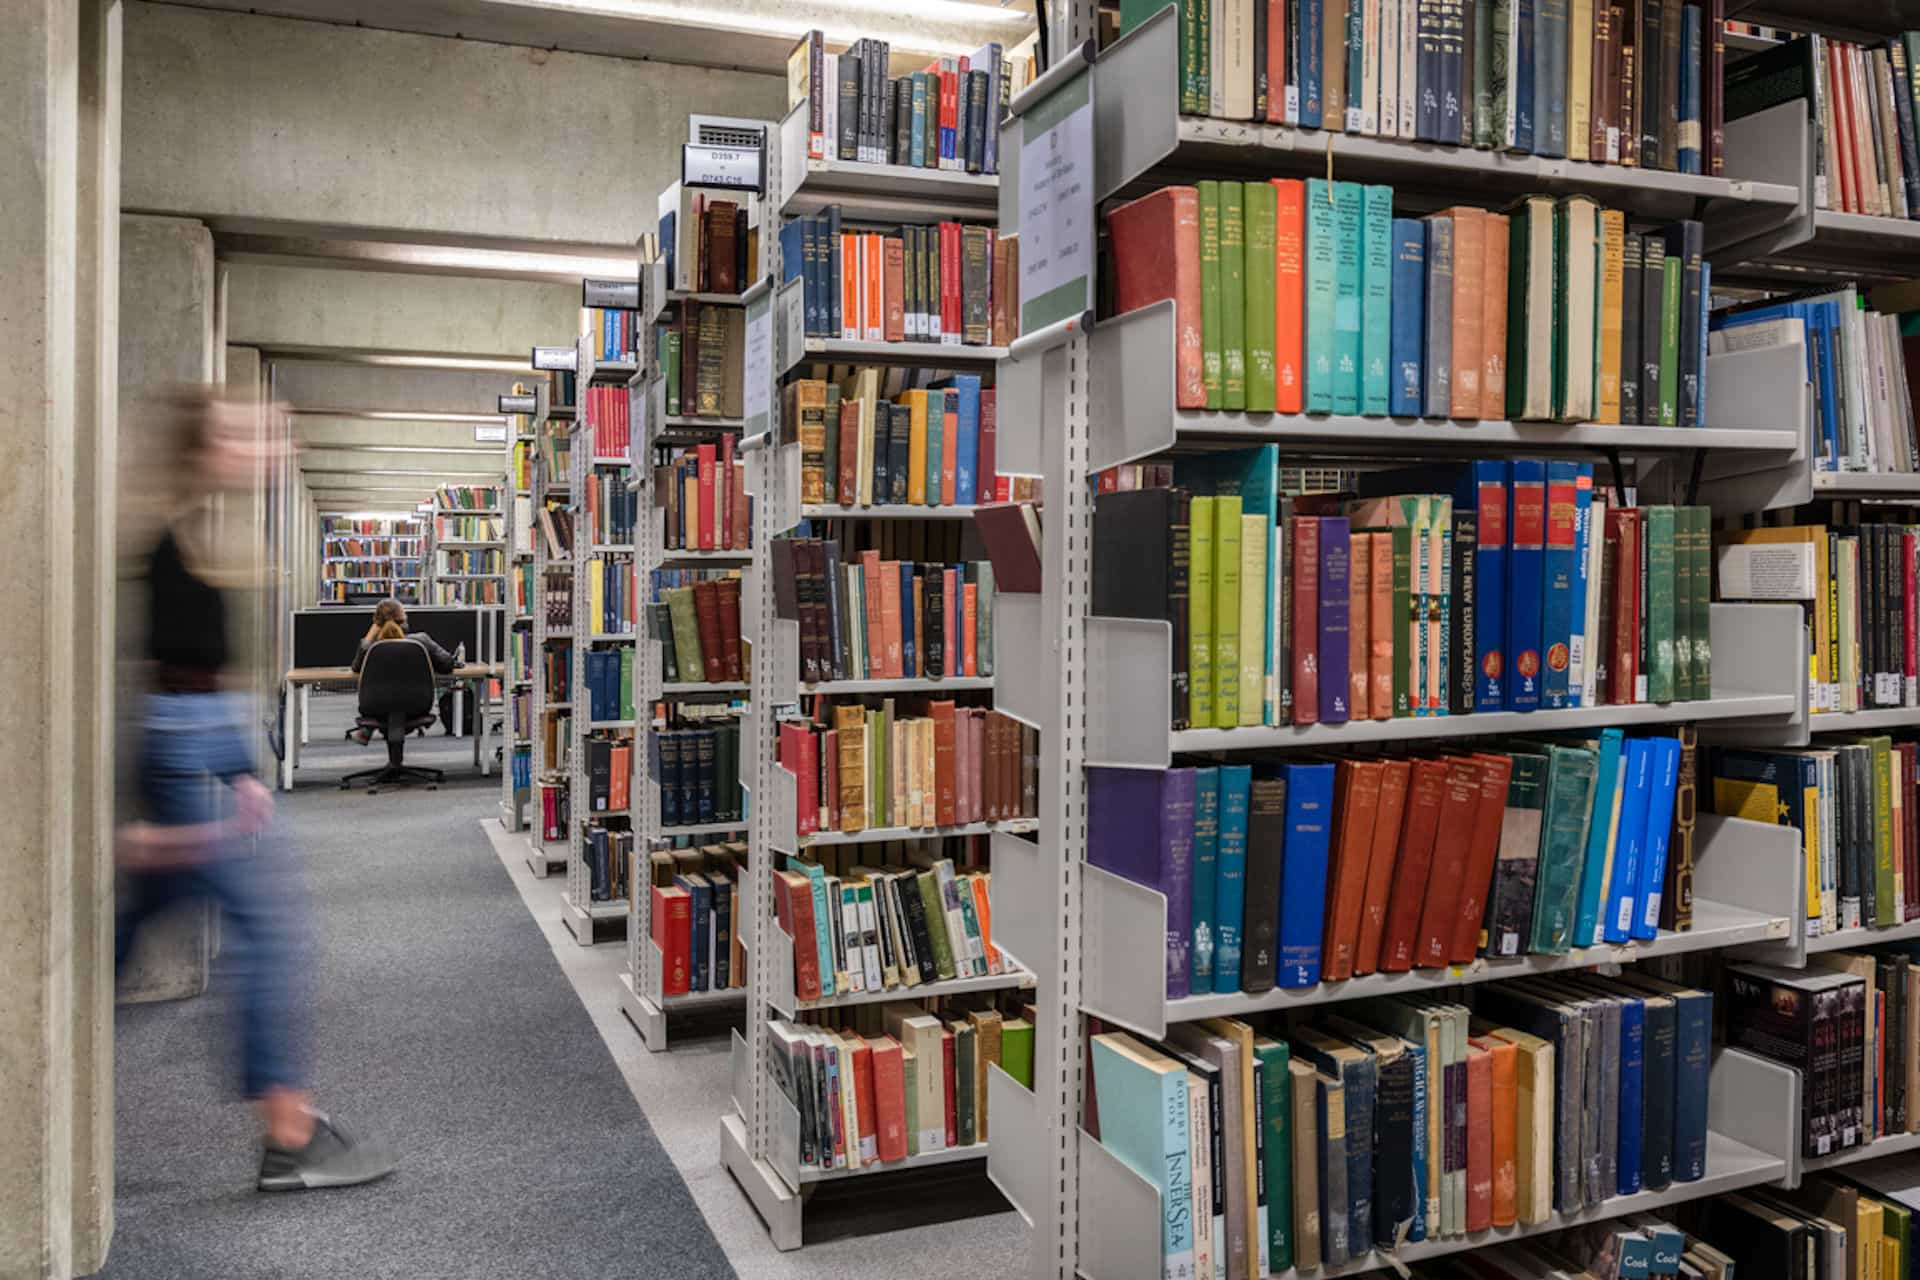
(390, 630)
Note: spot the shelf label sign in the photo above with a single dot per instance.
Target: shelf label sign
(618, 294)
(791, 302)
(563, 358)
(517, 404)
(758, 361)
(739, 168)
(493, 435)
(1057, 231)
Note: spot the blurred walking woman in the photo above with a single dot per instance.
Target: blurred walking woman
(207, 833)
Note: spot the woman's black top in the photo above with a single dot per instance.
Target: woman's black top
(186, 621)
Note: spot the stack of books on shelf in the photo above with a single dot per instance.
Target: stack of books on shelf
(1290, 875)
(609, 681)
(877, 928)
(555, 811)
(1298, 296)
(556, 531)
(1860, 99)
(702, 358)
(612, 507)
(557, 594)
(922, 764)
(608, 853)
(697, 907)
(556, 740)
(467, 591)
(611, 607)
(557, 666)
(945, 117)
(695, 615)
(520, 589)
(1609, 81)
(469, 497)
(456, 562)
(611, 335)
(950, 283)
(1326, 608)
(703, 491)
(556, 455)
(710, 242)
(879, 1084)
(875, 619)
(609, 766)
(448, 528)
(520, 716)
(899, 436)
(1406, 1119)
(698, 769)
(609, 412)
(560, 388)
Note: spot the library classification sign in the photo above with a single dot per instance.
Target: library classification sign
(1057, 233)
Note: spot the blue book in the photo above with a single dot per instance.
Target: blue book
(1556, 618)
(1657, 1092)
(793, 260)
(1689, 156)
(1349, 219)
(1230, 875)
(909, 598)
(936, 431)
(1429, 76)
(1580, 654)
(830, 272)
(1692, 1063)
(1408, 307)
(1526, 582)
(1520, 75)
(669, 223)
(1550, 78)
(1417, 1055)
(1303, 871)
(1665, 776)
(1309, 32)
(1206, 847)
(700, 908)
(1142, 1097)
(1335, 611)
(1356, 67)
(1376, 300)
(1140, 827)
(1600, 838)
(964, 388)
(1616, 922)
(1632, 1063)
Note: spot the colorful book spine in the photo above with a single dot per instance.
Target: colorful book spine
(1488, 478)
(1558, 570)
(1303, 893)
(1230, 875)
(1321, 285)
(1376, 293)
(1526, 582)
(1335, 619)
(1349, 220)
(1408, 315)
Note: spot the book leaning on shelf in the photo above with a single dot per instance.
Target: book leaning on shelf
(709, 242)
(1295, 296)
(946, 282)
(697, 905)
(695, 615)
(896, 436)
(608, 854)
(704, 495)
(701, 357)
(865, 618)
(1290, 875)
(1632, 82)
(881, 928)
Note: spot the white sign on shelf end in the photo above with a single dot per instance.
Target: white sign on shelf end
(492, 435)
(1057, 230)
(738, 168)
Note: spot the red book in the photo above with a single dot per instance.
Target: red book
(1156, 256)
(849, 453)
(793, 898)
(1306, 619)
(673, 934)
(889, 1098)
(809, 773)
(894, 287)
(1449, 868)
(619, 784)
(950, 288)
(969, 624)
(707, 464)
(943, 762)
(1290, 242)
(1907, 603)
(947, 1078)
(877, 668)
(950, 605)
(949, 448)
(1355, 805)
(865, 1109)
(985, 481)
(1394, 778)
(730, 657)
(706, 609)
(1496, 771)
(1421, 822)
(1479, 1138)
(1623, 546)
(724, 483)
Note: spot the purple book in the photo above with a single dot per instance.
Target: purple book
(1140, 827)
(1334, 606)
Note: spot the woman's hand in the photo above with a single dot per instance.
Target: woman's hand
(152, 846)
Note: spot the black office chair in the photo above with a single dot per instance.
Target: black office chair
(397, 694)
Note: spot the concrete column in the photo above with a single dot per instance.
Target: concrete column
(58, 95)
(167, 280)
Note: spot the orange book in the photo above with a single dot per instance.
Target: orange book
(621, 759)
(889, 598)
(872, 272)
(889, 1097)
(943, 762)
(1380, 627)
(1394, 777)
(895, 288)
(1452, 842)
(1426, 794)
(983, 909)
(1479, 1138)
(1356, 802)
(1482, 847)
(949, 449)
(969, 645)
(1493, 321)
(793, 902)
(1504, 1058)
(865, 1112)
(1469, 262)
(1359, 628)
(1289, 251)
(875, 604)
(850, 285)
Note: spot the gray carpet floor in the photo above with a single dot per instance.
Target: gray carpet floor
(443, 1025)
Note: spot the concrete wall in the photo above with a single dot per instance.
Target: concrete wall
(283, 307)
(240, 117)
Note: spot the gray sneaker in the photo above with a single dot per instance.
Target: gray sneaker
(330, 1159)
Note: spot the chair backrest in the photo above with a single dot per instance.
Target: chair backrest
(397, 676)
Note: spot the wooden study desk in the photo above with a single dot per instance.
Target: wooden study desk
(468, 679)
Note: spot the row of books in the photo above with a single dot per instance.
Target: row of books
(947, 282)
(1633, 82)
(697, 907)
(467, 528)
(932, 764)
(355, 570)
(609, 769)
(1311, 296)
(611, 605)
(1861, 102)
(556, 530)
(467, 591)
(407, 567)
(1295, 874)
(701, 356)
(557, 595)
(554, 451)
(1406, 1119)
(455, 560)
(468, 497)
(877, 1084)
(1485, 586)
(895, 436)
(556, 666)
(703, 491)
(609, 414)
(519, 657)
(609, 680)
(608, 853)
(556, 808)
(610, 333)
(1856, 365)
(709, 242)
(370, 526)
(337, 545)
(945, 117)
(885, 928)
(520, 715)
(612, 507)
(698, 770)
(520, 588)
(695, 614)
(874, 619)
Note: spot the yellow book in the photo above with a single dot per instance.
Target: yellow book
(1613, 236)
(593, 594)
(1580, 78)
(850, 727)
(916, 402)
(690, 508)
(1253, 619)
(864, 390)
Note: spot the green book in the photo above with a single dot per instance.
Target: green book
(686, 630)
(1277, 1157)
(1348, 219)
(917, 143)
(963, 1082)
(1376, 299)
(1660, 603)
(1563, 845)
(1233, 296)
(1320, 293)
(1252, 634)
(1262, 215)
(1193, 96)
(936, 431)
(1211, 315)
(1670, 342)
(1403, 603)
(1200, 611)
(1226, 611)
(1486, 128)
(1885, 896)
(1016, 1050)
(936, 911)
(1701, 624)
(626, 682)
(1682, 605)
(970, 920)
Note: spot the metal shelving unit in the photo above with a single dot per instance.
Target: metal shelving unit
(519, 627)
(543, 855)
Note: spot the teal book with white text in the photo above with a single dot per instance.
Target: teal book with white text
(1142, 1097)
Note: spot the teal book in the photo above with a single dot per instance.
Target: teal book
(1376, 301)
(1211, 315)
(1235, 787)
(1602, 829)
(817, 881)
(1142, 1096)
(1348, 216)
(1276, 1120)
(936, 429)
(917, 139)
(1233, 296)
(1206, 858)
(1563, 840)
(1321, 239)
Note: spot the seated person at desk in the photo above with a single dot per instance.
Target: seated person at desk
(390, 623)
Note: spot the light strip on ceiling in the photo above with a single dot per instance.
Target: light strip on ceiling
(326, 446)
(402, 415)
(864, 18)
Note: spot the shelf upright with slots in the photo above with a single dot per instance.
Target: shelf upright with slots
(519, 626)
(543, 854)
(759, 1133)
(1076, 398)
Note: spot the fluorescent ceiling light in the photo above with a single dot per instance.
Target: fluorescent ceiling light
(503, 261)
(402, 360)
(402, 415)
(904, 25)
(327, 446)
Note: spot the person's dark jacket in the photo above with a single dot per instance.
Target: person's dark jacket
(442, 660)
